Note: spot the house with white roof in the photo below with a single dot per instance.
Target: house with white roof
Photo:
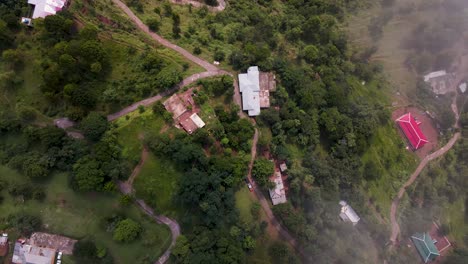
(347, 213)
(249, 85)
(277, 194)
(43, 8)
(440, 81)
(255, 87)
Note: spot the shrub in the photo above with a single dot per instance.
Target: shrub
(24, 223)
(126, 230)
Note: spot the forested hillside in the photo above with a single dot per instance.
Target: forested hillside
(329, 121)
(332, 120)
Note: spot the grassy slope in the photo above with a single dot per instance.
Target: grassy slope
(131, 132)
(396, 162)
(157, 185)
(244, 202)
(79, 215)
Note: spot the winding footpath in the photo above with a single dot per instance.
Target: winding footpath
(211, 70)
(440, 152)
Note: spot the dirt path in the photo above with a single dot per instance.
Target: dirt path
(127, 188)
(220, 7)
(414, 176)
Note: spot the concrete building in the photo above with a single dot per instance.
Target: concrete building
(249, 85)
(347, 213)
(255, 87)
(43, 8)
(440, 81)
(277, 194)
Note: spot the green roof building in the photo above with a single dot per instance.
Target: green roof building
(425, 246)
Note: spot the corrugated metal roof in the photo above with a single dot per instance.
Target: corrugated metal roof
(435, 74)
(348, 214)
(425, 246)
(278, 195)
(197, 120)
(249, 86)
(43, 8)
(412, 131)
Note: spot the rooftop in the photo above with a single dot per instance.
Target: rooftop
(348, 214)
(43, 8)
(440, 81)
(412, 131)
(249, 85)
(29, 254)
(278, 194)
(425, 246)
(60, 243)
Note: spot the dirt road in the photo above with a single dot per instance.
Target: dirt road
(414, 176)
(208, 66)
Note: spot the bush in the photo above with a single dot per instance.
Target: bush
(25, 223)
(197, 50)
(153, 24)
(85, 250)
(126, 231)
(219, 55)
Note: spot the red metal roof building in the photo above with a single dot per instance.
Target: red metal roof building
(412, 131)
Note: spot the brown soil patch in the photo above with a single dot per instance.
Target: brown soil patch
(427, 126)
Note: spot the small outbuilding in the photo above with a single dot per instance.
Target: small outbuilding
(283, 167)
(348, 214)
(277, 194)
(4, 245)
(425, 246)
(462, 87)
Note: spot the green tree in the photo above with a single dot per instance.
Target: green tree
(181, 249)
(94, 126)
(88, 175)
(127, 230)
(262, 170)
(311, 54)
